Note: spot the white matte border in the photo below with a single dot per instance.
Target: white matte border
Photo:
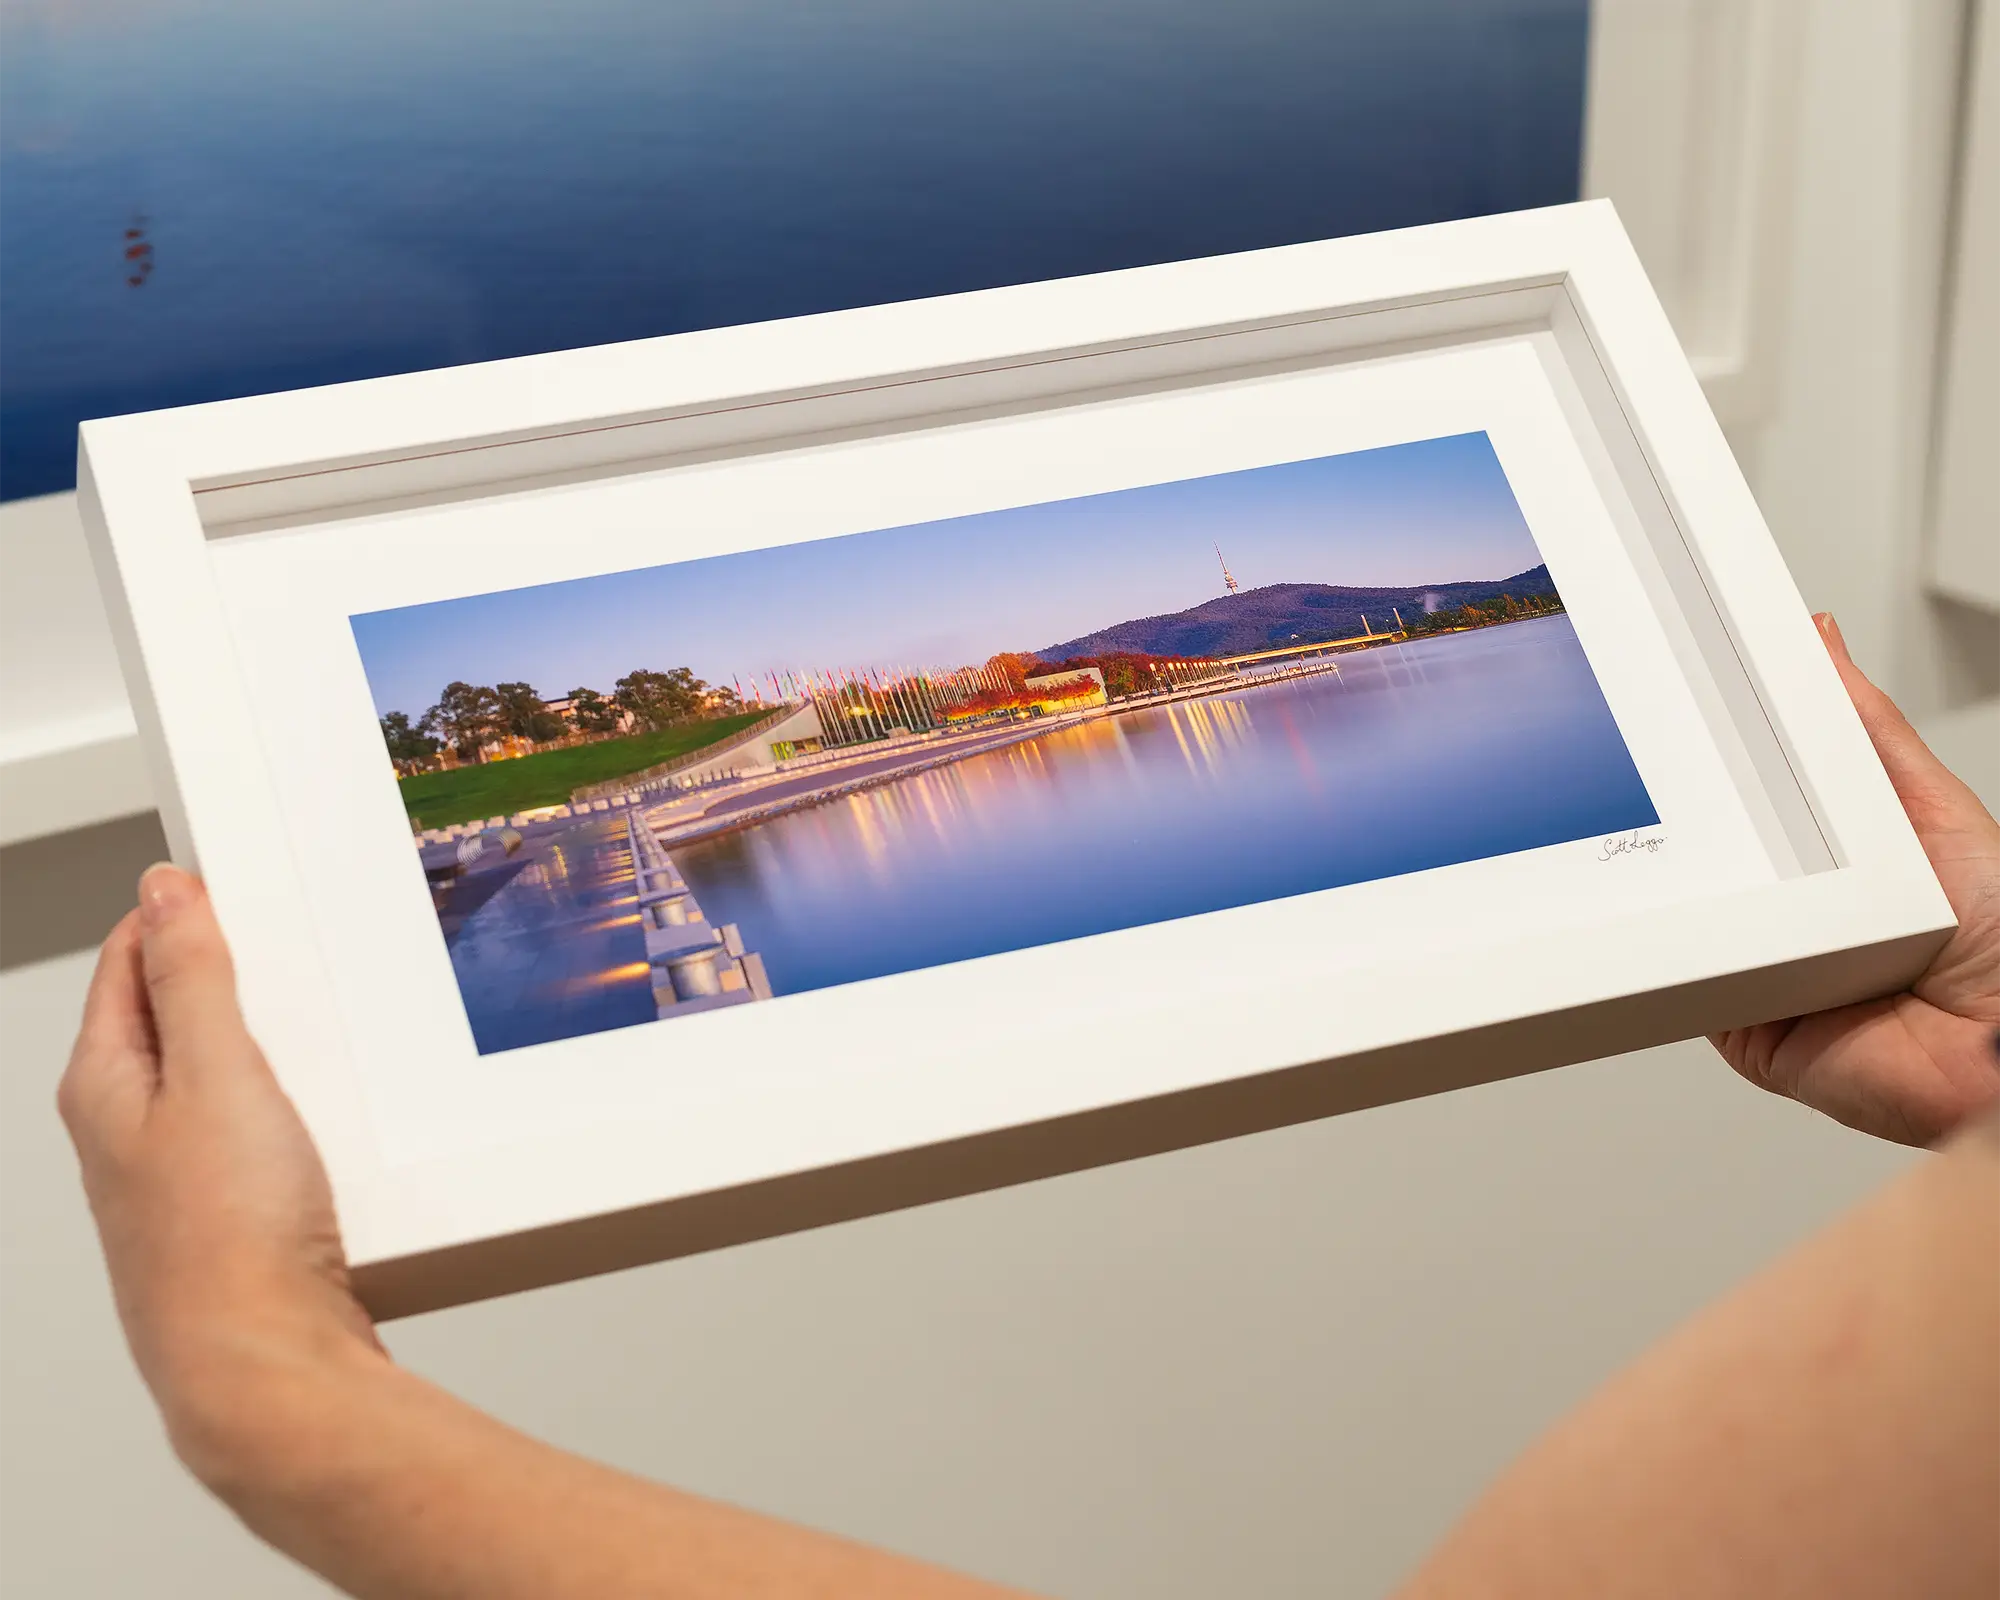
(708, 1086)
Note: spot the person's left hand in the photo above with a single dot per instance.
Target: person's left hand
(1911, 1066)
(217, 1221)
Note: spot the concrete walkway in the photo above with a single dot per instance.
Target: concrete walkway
(680, 822)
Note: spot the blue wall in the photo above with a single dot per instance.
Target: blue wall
(208, 198)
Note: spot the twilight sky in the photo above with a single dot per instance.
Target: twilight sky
(946, 593)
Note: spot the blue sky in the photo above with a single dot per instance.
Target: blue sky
(955, 591)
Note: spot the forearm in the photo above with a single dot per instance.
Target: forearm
(1832, 1429)
(395, 1490)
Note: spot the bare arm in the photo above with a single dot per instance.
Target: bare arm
(1833, 1428)
(225, 1256)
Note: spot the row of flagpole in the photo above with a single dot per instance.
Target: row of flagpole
(860, 704)
(856, 705)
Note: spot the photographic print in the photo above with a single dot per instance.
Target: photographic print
(641, 795)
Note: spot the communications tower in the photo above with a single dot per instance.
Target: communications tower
(1228, 578)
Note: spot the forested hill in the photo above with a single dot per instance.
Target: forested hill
(1287, 613)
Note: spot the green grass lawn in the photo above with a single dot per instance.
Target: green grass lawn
(500, 788)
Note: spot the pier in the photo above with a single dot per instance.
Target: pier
(695, 965)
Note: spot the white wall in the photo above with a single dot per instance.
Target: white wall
(1786, 170)
(1271, 1367)
(1965, 496)
(1841, 465)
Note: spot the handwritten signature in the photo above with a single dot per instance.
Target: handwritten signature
(1630, 844)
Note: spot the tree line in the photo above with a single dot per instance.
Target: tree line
(467, 717)
(1483, 613)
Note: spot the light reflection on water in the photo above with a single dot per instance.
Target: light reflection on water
(550, 956)
(1454, 749)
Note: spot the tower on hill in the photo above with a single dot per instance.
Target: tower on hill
(1228, 578)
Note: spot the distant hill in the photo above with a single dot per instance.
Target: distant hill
(1285, 613)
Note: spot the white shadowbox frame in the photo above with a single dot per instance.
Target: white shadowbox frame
(234, 540)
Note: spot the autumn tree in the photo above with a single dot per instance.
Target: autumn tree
(1015, 667)
(1126, 672)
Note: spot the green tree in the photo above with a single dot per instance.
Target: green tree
(408, 744)
(594, 713)
(465, 717)
(661, 699)
(525, 716)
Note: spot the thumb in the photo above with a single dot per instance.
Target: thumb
(190, 980)
(1924, 784)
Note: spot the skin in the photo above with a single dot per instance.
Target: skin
(1833, 1429)
(219, 1230)
(1913, 1066)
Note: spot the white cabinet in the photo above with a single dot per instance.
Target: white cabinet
(1692, 131)
(1965, 505)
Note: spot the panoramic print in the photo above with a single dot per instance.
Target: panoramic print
(712, 783)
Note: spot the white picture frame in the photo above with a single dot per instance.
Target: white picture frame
(233, 540)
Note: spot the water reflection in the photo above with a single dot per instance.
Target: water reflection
(554, 951)
(1420, 756)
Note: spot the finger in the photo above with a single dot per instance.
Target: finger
(1752, 1053)
(1923, 783)
(190, 981)
(113, 1069)
(115, 1014)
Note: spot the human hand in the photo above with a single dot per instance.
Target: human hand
(1914, 1065)
(214, 1210)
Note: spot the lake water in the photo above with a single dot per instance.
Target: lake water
(1412, 756)
(1448, 750)
(335, 189)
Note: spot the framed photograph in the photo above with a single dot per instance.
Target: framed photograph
(671, 793)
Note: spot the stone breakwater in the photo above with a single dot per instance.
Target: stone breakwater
(521, 820)
(696, 966)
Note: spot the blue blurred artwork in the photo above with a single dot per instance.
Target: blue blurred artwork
(208, 198)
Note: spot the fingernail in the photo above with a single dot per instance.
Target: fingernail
(163, 890)
(1829, 630)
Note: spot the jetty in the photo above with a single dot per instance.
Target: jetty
(696, 965)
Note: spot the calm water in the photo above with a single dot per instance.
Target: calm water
(334, 189)
(1458, 748)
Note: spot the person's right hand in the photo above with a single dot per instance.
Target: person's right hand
(215, 1213)
(1913, 1066)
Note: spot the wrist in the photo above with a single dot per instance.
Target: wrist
(249, 1401)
